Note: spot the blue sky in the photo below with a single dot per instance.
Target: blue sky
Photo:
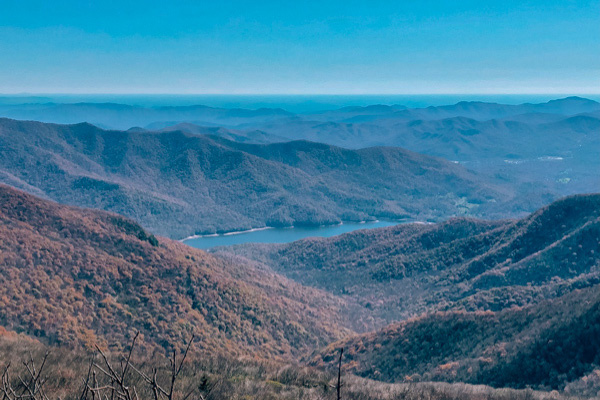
(308, 47)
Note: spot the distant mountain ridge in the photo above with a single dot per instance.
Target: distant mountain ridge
(536, 148)
(123, 116)
(179, 184)
(552, 146)
(485, 111)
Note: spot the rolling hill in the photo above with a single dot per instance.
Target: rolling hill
(72, 277)
(78, 277)
(179, 184)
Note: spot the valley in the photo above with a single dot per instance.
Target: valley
(399, 272)
(299, 200)
(436, 270)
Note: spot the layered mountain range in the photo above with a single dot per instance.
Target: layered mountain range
(123, 116)
(179, 184)
(546, 149)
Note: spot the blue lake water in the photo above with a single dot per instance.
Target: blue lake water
(280, 235)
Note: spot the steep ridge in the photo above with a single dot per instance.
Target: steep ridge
(402, 271)
(546, 346)
(77, 277)
(179, 184)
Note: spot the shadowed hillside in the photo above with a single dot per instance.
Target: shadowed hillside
(78, 277)
(545, 346)
(256, 137)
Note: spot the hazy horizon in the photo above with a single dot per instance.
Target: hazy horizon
(564, 94)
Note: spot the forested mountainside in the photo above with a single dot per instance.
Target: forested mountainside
(495, 294)
(551, 345)
(77, 277)
(508, 302)
(179, 184)
(401, 271)
(73, 277)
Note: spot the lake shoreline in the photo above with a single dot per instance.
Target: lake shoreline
(287, 234)
(229, 233)
(264, 228)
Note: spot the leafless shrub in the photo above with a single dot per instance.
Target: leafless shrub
(62, 374)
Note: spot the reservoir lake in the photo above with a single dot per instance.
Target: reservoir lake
(280, 235)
